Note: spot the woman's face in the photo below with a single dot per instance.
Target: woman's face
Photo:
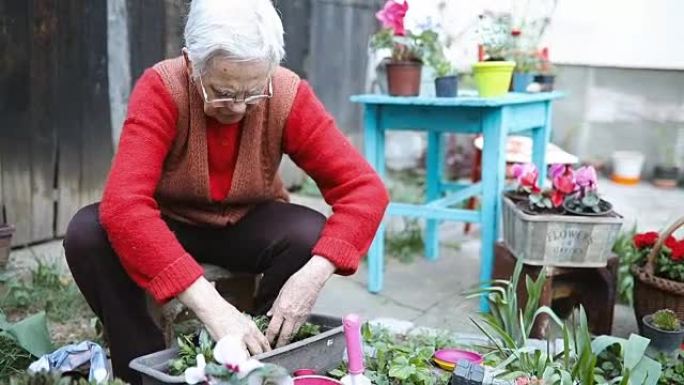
(230, 79)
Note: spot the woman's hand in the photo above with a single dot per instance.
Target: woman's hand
(221, 318)
(293, 305)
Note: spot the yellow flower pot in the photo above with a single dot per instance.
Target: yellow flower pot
(493, 78)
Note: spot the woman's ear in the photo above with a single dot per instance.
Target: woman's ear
(188, 63)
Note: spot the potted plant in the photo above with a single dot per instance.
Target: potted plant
(546, 72)
(566, 224)
(446, 79)
(584, 200)
(658, 273)
(493, 74)
(404, 65)
(664, 330)
(666, 173)
(525, 64)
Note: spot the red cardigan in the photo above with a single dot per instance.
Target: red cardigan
(311, 138)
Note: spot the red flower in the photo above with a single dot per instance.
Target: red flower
(678, 251)
(645, 239)
(529, 179)
(557, 198)
(671, 242)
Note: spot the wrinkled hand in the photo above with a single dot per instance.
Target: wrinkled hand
(293, 305)
(221, 318)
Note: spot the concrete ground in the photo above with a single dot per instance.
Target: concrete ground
(431, 293)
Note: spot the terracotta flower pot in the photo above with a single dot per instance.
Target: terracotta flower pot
(403, 78)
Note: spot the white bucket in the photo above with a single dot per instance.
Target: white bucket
(627, 167)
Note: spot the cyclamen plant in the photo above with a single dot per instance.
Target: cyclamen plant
(575, 188)
(234, 367)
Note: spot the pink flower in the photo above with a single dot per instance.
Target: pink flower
(565, 182)
(392, 16)
(520, 171)
(586, 177)
(556, 170)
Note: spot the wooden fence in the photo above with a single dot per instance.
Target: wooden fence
(55, 146)
(55, 124)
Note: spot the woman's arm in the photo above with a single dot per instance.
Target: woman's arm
(148, 249)
(348, 183)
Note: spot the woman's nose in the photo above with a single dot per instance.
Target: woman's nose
(237, 107)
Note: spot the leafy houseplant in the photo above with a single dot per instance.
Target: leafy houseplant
(604, 360)
(493, 74)
(664, 330)
(407, 48)
(525, 63)
(446, 80)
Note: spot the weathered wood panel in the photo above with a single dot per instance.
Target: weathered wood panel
(97, 149)
(68, 116)
(43, 16)
(296, 16)
(147, 34)
(14, 116)
(176, 12)
(339, 40)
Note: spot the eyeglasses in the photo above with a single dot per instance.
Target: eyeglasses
(249, 100)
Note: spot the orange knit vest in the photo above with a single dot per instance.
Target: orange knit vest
(183, 192)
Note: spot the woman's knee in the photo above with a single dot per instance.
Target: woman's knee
(304, 228)
(84, 237)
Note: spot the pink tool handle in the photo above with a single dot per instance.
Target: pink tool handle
(352, 334)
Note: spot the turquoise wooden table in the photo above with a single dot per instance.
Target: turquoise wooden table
(494, 118)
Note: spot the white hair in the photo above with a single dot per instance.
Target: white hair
(240, 29)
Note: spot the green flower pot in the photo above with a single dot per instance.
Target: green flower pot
(493, 78)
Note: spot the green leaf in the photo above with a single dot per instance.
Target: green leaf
(401, 369)
(31, 334)
(634, 350)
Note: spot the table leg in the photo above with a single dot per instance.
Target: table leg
(493, 176)
(433, 181)
(540, 138)
(374, 147)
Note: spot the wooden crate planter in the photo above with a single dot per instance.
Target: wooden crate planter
(559, 240)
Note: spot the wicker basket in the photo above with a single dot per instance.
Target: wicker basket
(652, 293)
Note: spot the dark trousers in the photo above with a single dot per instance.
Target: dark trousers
(274, 238)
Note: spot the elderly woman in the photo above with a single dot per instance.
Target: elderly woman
(195, 180)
